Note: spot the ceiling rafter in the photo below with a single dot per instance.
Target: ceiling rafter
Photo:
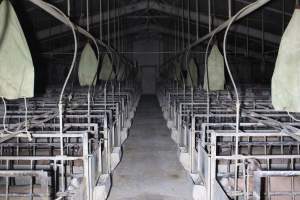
(162, 8)
(158, 29)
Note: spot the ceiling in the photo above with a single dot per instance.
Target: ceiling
(124, 21)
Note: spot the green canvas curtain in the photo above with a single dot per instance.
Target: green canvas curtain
(88, 66)
(192, 74)
(16, 66)
(286, 77)
(139, 73)
(121, 73)
(107, 72)
(177, 71)
(215, 68)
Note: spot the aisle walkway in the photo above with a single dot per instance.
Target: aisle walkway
(150, 169)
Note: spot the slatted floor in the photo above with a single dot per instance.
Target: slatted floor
(150, 169)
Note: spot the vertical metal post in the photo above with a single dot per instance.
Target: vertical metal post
(68, 8)
(257, 186)
(283, 15)
(189, 25)
(119, 36)
(89, 110)
(121, 27)
(192, 143)
(113, 101)
(87, 16)
(178, 24)
(213, 165)
(108, 23)
(175, 30)
(229, 8)
(60, 110)
(197, 19)
(179, 128)
(247, 38)
(199, 159)
(209, 16)
(100, 167)
(85, 151)
(262, 34)
(7, 181)
(182, 24)
(119, 114)
(115, 27)
(100, 20)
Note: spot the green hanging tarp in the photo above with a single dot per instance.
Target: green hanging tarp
(121, 73)
(16, 66)
(139, 72)
(215, 68)
(87, 67)
(107, 72)
(169, 71)
(192, 74)
(177, 71)
(286, 77)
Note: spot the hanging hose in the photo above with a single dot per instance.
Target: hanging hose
(15, 133)
(62, 17)
(235, 87)
(227, 64)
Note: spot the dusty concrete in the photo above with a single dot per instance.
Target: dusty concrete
(150, 169)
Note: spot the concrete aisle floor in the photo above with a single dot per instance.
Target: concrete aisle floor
(150, 169)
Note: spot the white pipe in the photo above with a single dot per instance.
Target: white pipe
(232, 20)
(262, 34)
(115, 27)
(283, 16)
(197, 19)
(63, 18)
(182, 24)
(189, 25)
(209, 16)
(108, 23)
(229, 8)
(60, 15)
(119, 36)
(69, 8)
(178, 25)
(87, 16)
(100, 15)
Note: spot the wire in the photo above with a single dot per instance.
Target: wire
(235, 88)
(187, 67)
(62, 17)
(227, 65)
(25, 130)
(58, 13)
(75, 48)
(110, 75)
